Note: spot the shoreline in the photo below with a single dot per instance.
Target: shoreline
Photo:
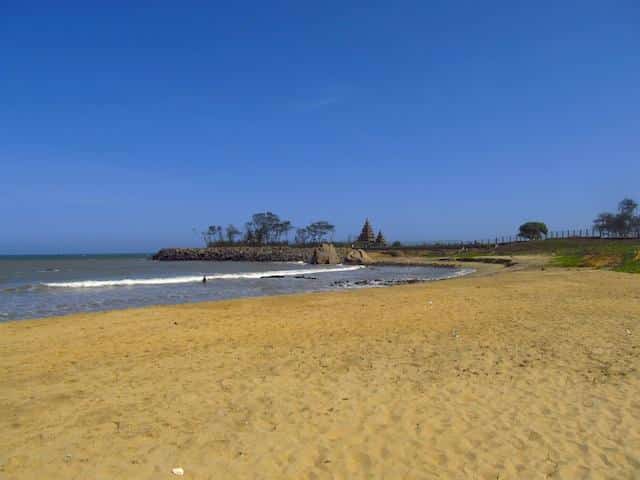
(337, 288)
(480, 269)
(514, 373)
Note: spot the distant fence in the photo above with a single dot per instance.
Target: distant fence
(587, 233)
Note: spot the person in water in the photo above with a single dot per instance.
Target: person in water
(204, 279)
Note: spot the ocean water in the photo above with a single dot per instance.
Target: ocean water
(42, 286)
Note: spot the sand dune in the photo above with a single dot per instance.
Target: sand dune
(519, 375)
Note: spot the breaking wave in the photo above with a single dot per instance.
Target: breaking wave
(127, 282)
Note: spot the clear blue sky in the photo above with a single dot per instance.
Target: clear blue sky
(122, 127)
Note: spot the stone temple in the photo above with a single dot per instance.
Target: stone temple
(367, 237)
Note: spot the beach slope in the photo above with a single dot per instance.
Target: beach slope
(523, 374)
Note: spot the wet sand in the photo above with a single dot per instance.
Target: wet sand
(520, 374)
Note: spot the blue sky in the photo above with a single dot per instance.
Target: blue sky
(123, 127)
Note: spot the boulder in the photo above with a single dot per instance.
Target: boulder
(358, 257)
(325, 254)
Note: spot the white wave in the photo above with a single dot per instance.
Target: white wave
(127, 282)
(459, 273)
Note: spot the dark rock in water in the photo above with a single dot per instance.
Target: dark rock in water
(325, 254)
(272, 276)
(303, 277)
(377, 282)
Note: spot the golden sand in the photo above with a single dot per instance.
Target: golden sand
(527, 374)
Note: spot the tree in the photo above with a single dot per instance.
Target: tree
(263, 226)
(533, 230)
(280, 229)
(627, 207)
(268, 228)
(319, 230)
(605, 224)
(212, 235)
(627, 221)
(622, 223)
(635, 225)
(302, 236)
(232, 233)
(249, 236)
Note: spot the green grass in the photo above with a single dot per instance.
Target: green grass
(618, 255)
(629, 263)
(568, 261)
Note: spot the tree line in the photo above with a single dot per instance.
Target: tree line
(623, 223)
(267, 228)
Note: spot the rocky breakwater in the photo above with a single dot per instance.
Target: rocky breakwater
(325, 254)
(246, 253)
(237, 253)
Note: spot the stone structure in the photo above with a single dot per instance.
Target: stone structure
(380, 240)
(325, 254)
(242, 253)
(357, 257)
(366, 236)
(367, 239)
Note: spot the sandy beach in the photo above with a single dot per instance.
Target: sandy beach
(521, 374)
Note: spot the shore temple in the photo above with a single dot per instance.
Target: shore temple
(368, 238)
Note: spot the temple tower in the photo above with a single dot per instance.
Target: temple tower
(367, 235)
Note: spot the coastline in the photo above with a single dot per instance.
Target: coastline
(514, 372)
(478, 269)
(56, 294)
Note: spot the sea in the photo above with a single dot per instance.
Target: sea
(47, 285)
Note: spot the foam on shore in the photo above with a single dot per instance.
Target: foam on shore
(127, 282)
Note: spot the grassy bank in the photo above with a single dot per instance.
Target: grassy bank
(619, 255)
